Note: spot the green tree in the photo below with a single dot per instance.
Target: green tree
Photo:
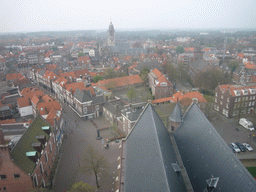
(210, 79)
(81, 54)
(131, 93)
(81, 187)
(95, 163)
(233, 65)
(180, 49)
(111, 85)
(97, 78)
(144, 74)
(110, 73)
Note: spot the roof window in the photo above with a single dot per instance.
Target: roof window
(245, 91)
(237, 92)
(252, 90)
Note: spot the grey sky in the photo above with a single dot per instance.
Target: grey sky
(44, 15)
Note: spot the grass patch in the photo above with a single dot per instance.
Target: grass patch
(252, 170)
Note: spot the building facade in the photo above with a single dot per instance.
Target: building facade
(232, 100)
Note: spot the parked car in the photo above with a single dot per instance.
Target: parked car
(241, 147)
(247, 146)
(234, 146)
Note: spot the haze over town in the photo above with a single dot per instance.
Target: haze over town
(52, 15)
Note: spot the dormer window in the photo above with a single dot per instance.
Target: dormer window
(245, 91)
(252, 91)
(163, 84)
(237, 92)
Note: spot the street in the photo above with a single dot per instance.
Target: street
(81, 133)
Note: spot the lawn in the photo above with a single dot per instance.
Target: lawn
(252, 170)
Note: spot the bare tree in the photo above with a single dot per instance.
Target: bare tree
(95, 163)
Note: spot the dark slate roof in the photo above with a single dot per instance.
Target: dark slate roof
(98, 99)
(176, 115)
(150, 65)
(148, 156)
(24, 145)
(206, 154)
(41, 72)
(131, 114)
(83, 95)
(110, 107)
(199, 65)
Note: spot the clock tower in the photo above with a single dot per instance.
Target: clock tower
(111, 35)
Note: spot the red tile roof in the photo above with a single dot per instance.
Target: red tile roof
(121, 81)
(84, 59)
(7, 121)
(23, 102)
(94, 74)
(241, 55)
(74, 86)
(45, 107)
(179, 97)
(231, 88)
(62, 81)
(189, 49)
(35, 100)
(82, 72)
(46, 98)
(31, 91)
(157, 72)
(13, 76)
(51, 116)
(163, 79)
(50, 75)
(68, 74)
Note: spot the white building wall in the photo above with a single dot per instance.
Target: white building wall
(25, 111)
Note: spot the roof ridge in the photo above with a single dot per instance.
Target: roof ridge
(159, 146)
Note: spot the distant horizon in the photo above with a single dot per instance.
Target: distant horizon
(64, 15)
(141, 29)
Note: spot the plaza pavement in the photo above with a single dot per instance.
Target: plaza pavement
(81, 133)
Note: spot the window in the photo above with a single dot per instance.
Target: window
(215, 100)
(227, 105)
(250, 103)
(35, 180)
(239, 99)
(234, 106)
(41, 168)
(236, 100)
(253, 103)
(3, 177)
(221, 96)
(4, 188)
(221, 103)
(84, 109)
(50, 147)
(46, 156)
(246, 98)
(243, 98)
(16, 176)
(253, 98)
(216, 94)
(228, 99)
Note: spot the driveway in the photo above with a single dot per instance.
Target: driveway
(81, 133)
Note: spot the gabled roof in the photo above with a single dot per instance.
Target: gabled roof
(176, 115)
(62, 81)
(205, 154)
(23, 102)
(50, 75)
(54, 113)
(74, 86)
(82, 72)
(83, 95)
(24, 145)
(163, 79)
(13, 76)
(121, 81)
(149, 155)
(68, 74)
(46, 98)
(232, 88)
(157, 72)
(35, 100)
(45, 107)
(30, 92)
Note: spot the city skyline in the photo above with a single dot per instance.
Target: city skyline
(28, 15)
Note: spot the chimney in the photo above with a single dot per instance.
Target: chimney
(212, 184)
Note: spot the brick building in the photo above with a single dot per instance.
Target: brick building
(30, 162)
(161, 87)
(233, 100)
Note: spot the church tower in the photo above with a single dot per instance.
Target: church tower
(111, 35)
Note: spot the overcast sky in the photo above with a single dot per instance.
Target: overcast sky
(45, 15)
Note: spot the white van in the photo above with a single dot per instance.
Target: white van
(246, 124)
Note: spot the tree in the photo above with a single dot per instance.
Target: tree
(210, 79)
(233, 65)
(179, 49)
(95, 163)
(97, 78)
(81, 187)
(110, 73)
(131, 93)
(81, 54)
(144, 74)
